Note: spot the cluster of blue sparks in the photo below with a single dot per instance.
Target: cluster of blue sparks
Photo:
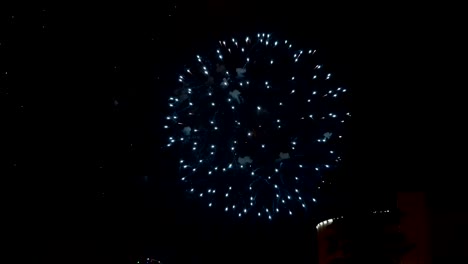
(256, 124)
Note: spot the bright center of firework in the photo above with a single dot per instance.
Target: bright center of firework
(256, 124)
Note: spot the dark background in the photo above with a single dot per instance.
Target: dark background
(81, 90)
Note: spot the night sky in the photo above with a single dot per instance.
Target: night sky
(83, 88)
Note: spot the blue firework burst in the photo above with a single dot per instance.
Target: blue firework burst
(256, 123)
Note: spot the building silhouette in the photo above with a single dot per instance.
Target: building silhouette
(401, 234)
